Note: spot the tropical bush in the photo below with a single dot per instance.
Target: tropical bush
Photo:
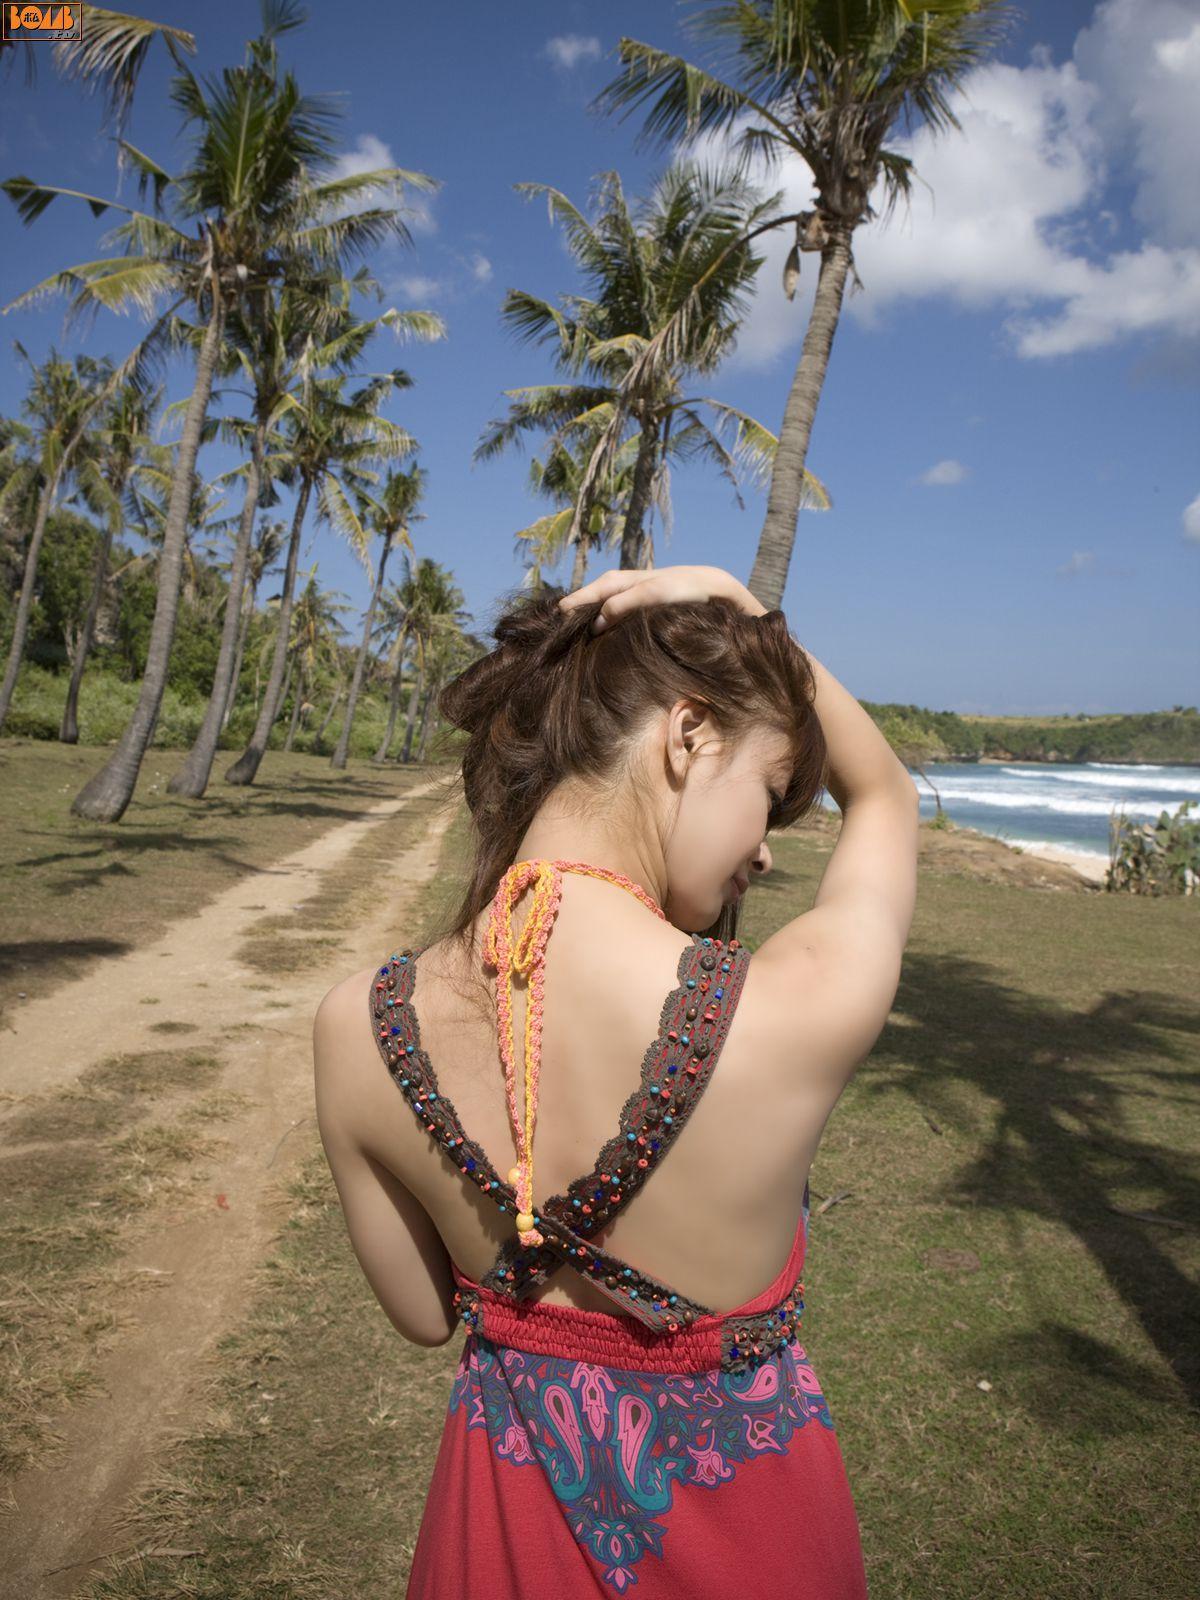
(1160, 857)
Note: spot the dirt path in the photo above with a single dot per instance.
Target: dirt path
(64, 1516)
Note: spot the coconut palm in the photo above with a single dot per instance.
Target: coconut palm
(435, 609)
(278, 338)
(388, 516)
(332, 441)
(109, 57)
(641, 264)
(107, 476)
(825, 80)
(392, 624)
(559, 478)
(267, 544)
(314, 646)
(61, 402)
(253, 206)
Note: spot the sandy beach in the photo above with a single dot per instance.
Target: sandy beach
(1091, 866)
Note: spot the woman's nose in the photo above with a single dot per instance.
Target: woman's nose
(760, 861)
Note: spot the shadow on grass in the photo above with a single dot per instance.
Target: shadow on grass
(1058, 1144)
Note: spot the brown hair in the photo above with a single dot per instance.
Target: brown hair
(554, 701)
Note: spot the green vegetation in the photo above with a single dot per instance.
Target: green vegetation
(1153, 736)
(1161, 857)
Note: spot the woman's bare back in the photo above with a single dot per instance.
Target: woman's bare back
(718, 1221)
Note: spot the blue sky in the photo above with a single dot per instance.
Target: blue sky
(1010, 428)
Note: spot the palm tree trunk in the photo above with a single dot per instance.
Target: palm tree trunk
(639, 497)
(245, 768)
(25, 603)
(579, 569)
(105, 796)
(773, 557)
(298, 702)
(413, 699)
(68, 731)
(247, 611)
(192, 777)
(338, 758)
(333, 705)
(426, 718)
(380, 755)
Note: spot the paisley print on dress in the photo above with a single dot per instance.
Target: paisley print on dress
(613, 1442)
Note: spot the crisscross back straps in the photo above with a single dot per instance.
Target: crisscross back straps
(693, 1025)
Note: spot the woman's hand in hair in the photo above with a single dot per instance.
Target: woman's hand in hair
(622, 589)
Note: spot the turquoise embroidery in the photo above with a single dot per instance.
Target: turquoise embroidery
(613, 1442)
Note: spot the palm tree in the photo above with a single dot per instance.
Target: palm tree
(445, 660)
(258, 217)
(393, 623)
(387, 515)
(642, 264)
(109, 56)
(314, 643)
(330, 440)
(435, 610)
(559, 478)
(279, 336)
(124, 450)
(827, 82)
(61, 402)
(267, 545)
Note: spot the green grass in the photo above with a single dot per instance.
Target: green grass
(74, 892)
(1039, 1070)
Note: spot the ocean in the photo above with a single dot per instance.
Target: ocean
(1061, 804)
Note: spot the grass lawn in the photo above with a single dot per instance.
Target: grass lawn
(1002, 1303)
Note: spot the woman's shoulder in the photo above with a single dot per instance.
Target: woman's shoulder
(346, 1056)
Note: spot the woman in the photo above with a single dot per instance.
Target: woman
(632, 1405)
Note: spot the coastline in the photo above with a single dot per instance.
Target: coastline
(1088, 865)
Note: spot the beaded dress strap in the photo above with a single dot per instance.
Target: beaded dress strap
(677, 1065)
(693, 1025)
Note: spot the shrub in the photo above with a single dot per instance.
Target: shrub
(1160, 857)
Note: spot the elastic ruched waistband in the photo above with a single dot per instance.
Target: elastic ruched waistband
(570, 1333)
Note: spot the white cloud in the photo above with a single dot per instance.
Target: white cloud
(1191, 520)
(1081, 561)
(944, 472)
(417, 287)
(567, 50)
(481, 268)
(1018, 210)
(371, 153)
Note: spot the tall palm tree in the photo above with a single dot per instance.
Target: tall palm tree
(124, 449)
(435, 610)
(331, 439)
(60, 404)
(641, 263)
(314, 645)
(828, 81)
(445, 660)
(258, 215)
(110, 55)
(279, 336)
(559, 478)
(386, 516)
(393, 624)
(267, 545)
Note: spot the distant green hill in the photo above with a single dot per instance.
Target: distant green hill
(1161, 736)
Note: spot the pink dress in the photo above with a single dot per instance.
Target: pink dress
(661, 1446)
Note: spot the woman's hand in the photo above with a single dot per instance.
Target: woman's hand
(621, 590)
